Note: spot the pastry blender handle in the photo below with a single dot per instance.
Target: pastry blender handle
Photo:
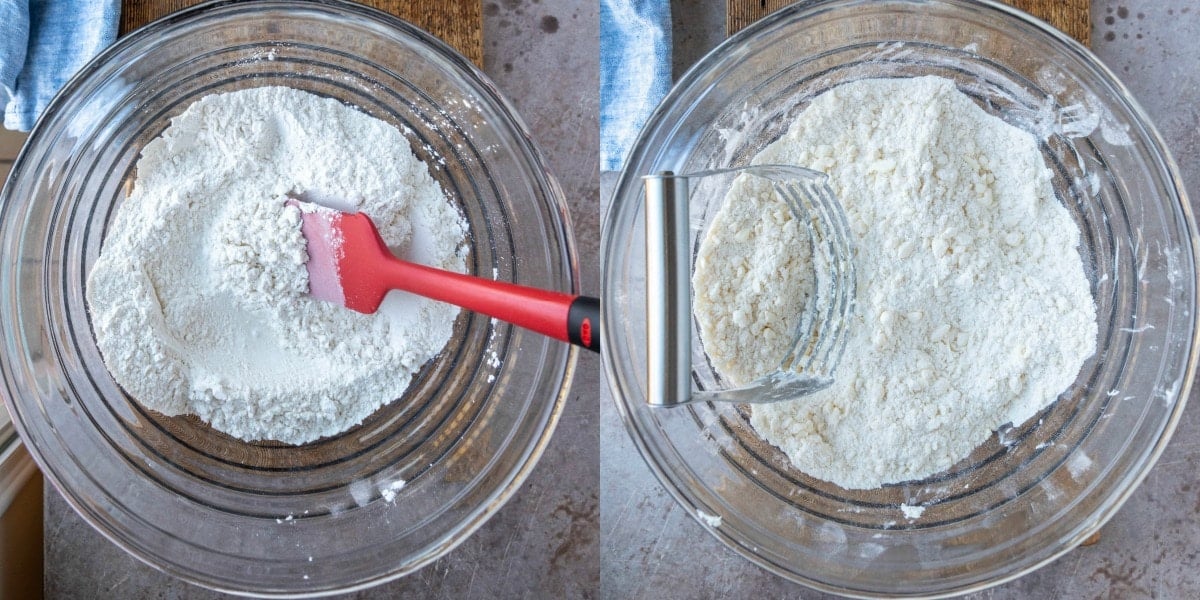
(668, 291)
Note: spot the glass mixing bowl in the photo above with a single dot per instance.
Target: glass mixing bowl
(1028, 494)
(342, 513)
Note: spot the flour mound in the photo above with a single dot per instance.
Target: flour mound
(972, 306)
(199, 297)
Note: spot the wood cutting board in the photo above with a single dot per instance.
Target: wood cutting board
(457, 22)
(1071, 16)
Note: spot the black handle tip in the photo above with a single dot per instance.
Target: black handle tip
(583, 322)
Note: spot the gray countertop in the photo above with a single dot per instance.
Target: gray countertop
(544, 543)
(650, 548)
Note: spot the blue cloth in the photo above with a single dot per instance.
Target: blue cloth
(635, 71)
(42, 44)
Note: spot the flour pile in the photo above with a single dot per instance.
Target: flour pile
(972, 305)
(199, 298)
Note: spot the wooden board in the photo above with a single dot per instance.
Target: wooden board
(1070, 16)
(457, 22)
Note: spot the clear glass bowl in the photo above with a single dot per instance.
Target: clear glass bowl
(262, 518)
(1027, 495)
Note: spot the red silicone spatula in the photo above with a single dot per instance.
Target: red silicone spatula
(349, 264)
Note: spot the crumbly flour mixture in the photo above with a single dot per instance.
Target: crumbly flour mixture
(972, 305)
(199, 298)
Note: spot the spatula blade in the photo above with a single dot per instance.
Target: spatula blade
(320, 228)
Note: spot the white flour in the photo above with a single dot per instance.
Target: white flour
(753, 278)
(972, 306)
(199, 298)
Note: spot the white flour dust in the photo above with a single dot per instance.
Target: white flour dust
(199, 298)
(972, 305)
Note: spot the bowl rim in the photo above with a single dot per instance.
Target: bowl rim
(619, 384)
(562, 229)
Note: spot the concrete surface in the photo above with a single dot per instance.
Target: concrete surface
(544, 543)
(651, 549)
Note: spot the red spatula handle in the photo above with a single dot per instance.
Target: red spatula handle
(366, 270)
(562, 316)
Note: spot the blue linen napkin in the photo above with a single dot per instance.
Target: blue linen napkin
(635, 71)
(42, 44)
